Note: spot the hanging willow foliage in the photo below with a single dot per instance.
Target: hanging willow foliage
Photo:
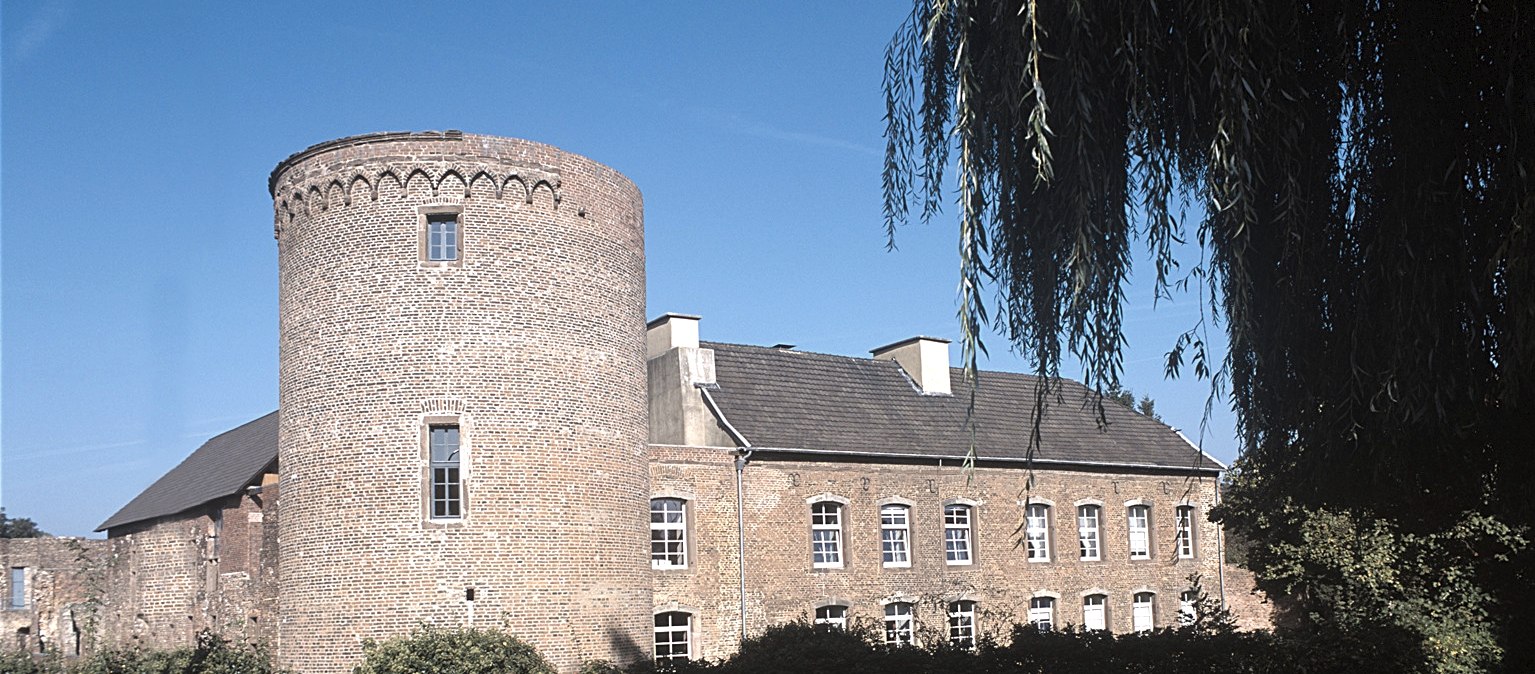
(1361, 174)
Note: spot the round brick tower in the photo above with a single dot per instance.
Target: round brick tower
(462, 394)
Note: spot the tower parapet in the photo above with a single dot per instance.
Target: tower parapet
(462, 386)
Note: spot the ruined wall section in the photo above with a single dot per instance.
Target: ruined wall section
(62, 577)
(212, 568)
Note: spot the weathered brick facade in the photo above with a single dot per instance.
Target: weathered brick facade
(530, 342)
(60, 580)
(782, 585)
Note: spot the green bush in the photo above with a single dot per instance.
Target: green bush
(212, 655)
(444, 651)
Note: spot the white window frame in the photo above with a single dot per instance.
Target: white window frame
(672, 630)
(1042, 613)
(895, 535)
(832, 615)
(1143, 611)
(962, 630)
(1037, 532)
(442, 236)
(670, 531)
(900, 624)
(958, 539)
(1095, 605)
(1187, 613)
(1138, 518)
(1090, 532)
(1185, 534)
(826, 534)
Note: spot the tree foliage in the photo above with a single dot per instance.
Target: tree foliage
(1358, 178)
(18, 527)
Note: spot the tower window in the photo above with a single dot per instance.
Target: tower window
(447, 486)
(441, 237)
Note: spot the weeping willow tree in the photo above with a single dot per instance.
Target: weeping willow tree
(1358, 177)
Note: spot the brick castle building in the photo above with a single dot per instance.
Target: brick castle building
(478, 427)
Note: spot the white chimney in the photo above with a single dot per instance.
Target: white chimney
(925, 360)
(670, 331)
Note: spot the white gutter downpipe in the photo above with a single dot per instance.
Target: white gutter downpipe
(1220, 546)
(743, 455)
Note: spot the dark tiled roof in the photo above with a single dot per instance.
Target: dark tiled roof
(222, 467)
(794, 400)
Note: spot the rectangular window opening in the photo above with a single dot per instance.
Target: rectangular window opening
(441, 237)
(668, 533)
(956, 534)
(826, 535)
(447, 486)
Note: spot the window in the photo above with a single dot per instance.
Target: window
(18, 587)
(1087, 533)
(1140, 526)
(668, 533)
(1037, 532)
(447, 475)
(833, 616)
(898, 624)
(441, 237)
(1093, 617)
(962, 624)
(956, 534)
(1185, 538)
(1042, 613)
(826, 535)
(1142, 613)
(1187, 611)
(672, 636)
(895, 528)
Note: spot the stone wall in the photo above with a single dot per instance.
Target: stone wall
(62, 577)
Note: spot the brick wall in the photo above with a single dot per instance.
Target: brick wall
(782, 585)
(532, 343)
(170, 578)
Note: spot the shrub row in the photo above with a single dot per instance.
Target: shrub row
(810, 649)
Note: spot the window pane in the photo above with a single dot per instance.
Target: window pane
(1092, 612)
(956, 534)
(18, 587)
(442, 236)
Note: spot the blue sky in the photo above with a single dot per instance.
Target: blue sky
(138, 277)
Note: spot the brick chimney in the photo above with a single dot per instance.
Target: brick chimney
(925, 360)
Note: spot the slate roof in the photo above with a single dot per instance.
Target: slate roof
(783, 399)
(222, 466)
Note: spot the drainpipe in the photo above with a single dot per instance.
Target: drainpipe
(743, 455)
(1220, 545)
